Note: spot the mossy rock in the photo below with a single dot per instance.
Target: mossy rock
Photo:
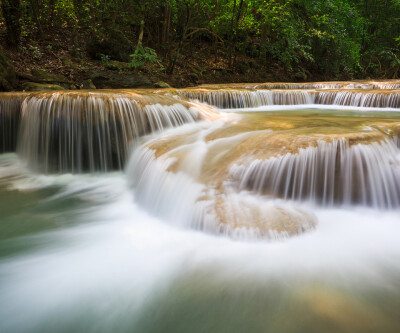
(161, 84)
(8, 78)
(33, 86)
(114, 44)
(118, 65)
(42, 76)
(88, 84)
(115, 80)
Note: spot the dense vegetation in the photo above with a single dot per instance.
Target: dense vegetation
(305, 39)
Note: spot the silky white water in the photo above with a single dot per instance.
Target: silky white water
(195, 234)
(115, 267)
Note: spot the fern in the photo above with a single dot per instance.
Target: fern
(143, 56)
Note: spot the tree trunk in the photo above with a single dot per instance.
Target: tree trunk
(230, 38)
(166, 24)
(239, 13)
(50, 20)
(263, 42)
(171, 66)
(12, 12)
(36, 16)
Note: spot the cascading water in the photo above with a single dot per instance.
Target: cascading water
(75, 132)
(278, 219)
(376, 99)
(331, 172)
(231, 99)
(235, 99)
(10, 114)
(390, 84)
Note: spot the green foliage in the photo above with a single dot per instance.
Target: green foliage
(105, 59)
(337, 38)
(143, 56)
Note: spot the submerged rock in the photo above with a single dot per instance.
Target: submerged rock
(340, 311)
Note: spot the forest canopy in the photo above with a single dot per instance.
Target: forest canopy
(335, 38)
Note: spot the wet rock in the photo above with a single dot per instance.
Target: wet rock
(8, 79)
(88, 84)
(245, 217)
(33, 86)
(161, 84)
(114, 80)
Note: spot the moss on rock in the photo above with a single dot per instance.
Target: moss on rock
(161, 84)
(42, 76)
(33, 86)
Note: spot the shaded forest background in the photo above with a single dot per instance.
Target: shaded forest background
(187, 42)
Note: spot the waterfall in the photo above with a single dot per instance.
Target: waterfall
(10, 114)
(165, 193)
(322, 85)
(77, 132)
(332, 85)
(186, 203)
(366, 98)
(329, 173)
(386, 85)
(390, 84)
(236, 99)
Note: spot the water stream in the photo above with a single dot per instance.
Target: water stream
(144, 211)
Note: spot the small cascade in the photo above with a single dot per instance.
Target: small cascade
(322, 85)
(164, 193)
(329, 173)
(250, 98)
(333, 85)
(231, 99)
(372, 99)
(293, 97)
(177, 196)
(79, 132)
(386, 85)
(236, 99)
(10, 114)
(391, 84)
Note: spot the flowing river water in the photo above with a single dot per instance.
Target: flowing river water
(243, 208)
